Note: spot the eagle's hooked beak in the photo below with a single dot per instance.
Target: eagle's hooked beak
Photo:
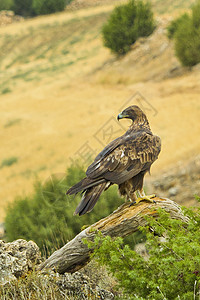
(121, 116)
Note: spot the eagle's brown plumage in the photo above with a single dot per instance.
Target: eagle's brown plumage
(124, 161)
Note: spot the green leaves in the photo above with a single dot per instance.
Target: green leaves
(173, 267)
(126, 24)
(43, 7)
(186, 33)
(35, 7)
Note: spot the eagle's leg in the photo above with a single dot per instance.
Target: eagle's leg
(142, 197)
(126, 190)
(132, 197)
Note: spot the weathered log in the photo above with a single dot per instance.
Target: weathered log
(122, 222)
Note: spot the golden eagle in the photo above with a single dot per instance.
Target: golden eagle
(124, 161)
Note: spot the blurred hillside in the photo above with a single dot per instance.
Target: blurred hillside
(60, 87)
(168, 6)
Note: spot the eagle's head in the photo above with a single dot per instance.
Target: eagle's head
(132, 112)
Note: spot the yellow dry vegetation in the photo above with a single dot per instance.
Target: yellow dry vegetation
(59, 86)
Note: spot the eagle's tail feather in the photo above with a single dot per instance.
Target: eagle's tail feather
(89, 199)
(84, 184)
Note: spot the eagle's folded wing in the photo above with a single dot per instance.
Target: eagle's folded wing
(125, 158)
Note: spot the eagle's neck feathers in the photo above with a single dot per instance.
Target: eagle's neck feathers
(140, 124)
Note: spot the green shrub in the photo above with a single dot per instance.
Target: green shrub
(187, 44)
(172, 270)
(144, 22)
(43, 7)
(38, 7)
(6, 90)
(23, 7)
(196, 15)
(9, 161)
(12, 122)
(126, 24)
(173, 26)
(6, 4)
(186, 32)
(47, 216)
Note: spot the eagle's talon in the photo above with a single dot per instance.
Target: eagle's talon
(149, 198)
(145, 197)
(132, 203)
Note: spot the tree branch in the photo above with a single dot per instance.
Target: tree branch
(122, 222)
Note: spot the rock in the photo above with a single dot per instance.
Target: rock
(196, 67)
(7, 13)
(141, 249)
(17, 258)
(181, 182)
(8, 17)
(79, 286)
(2, 230)
(173, 191)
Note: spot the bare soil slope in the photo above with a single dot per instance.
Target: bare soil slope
(61, 91)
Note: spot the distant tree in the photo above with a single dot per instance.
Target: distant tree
(23, 7)
(186, 33)
(187, 44)
(6, 4)
(126, 24)
(196, 15)
(43, 7)
(173, 26)
(37, 7)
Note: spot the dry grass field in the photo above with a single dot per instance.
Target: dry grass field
(61, 89)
